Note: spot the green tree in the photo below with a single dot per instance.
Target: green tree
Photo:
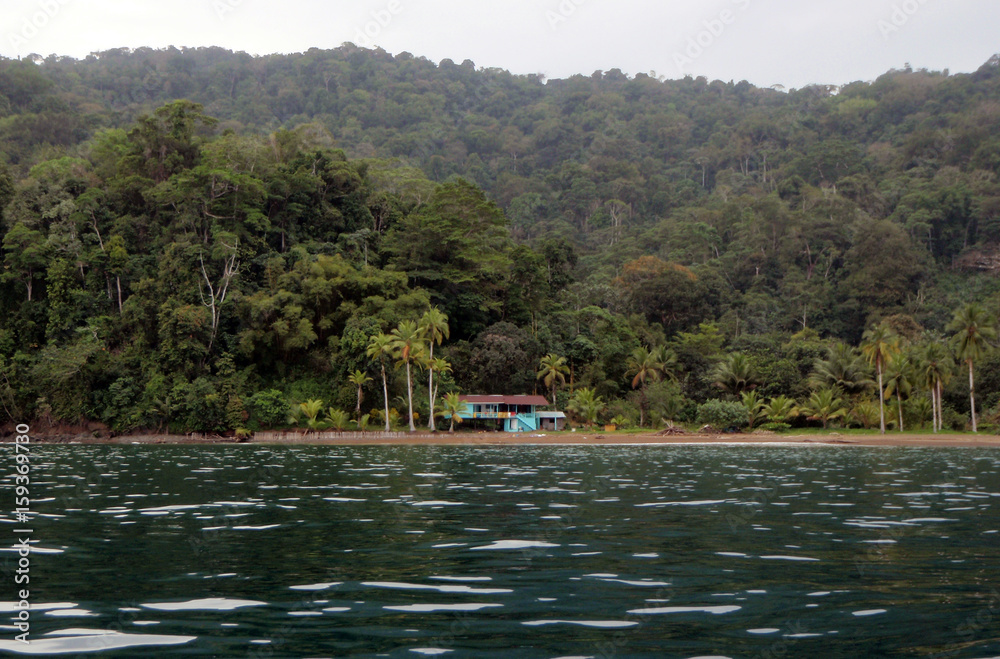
(843, 369)
(899, 382)
(407, 344)
(379, 350)
(648, 366)
(880, 347)
(736, 374)
(338, 419)
(453, 406)
(359, 379)
(974, 331)
(824, 405)
(780, 409)
(754, 405)
(587, 404)
(434, 327)
(937, 367)
(25, 255)
(552, 370)
(311, 409)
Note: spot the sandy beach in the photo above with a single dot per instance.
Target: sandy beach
(581, 438)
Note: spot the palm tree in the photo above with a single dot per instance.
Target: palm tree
(824, 405)
(866, 414)
(337, 419)
(438, 365)
(552, 370)
(754, 404)
(937, 367)
(359, 379)
(311, 408)
(453, 406)
(735, 375)
(646, 365)
(899, 381)
(843, 369)
(880, 346)
(380, 349)
(973, 332)
(587, 404)
(434, 326)
(780, 409)
(407, 344)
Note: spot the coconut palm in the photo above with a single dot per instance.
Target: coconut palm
(434, 327)
(754, 404)
(379, 350)
(842, 369)
(407, 344)
(453, 406)
(880, 346)
(359, 379)
(587, 404)
(735, 375)
(552, 370)
(437, 365)
(779, 409)
(937, 367)
(824, 405)
(973, 332)
(899, 381)
(648, 366)
(867, 414)
(337, 419)
(311, 409)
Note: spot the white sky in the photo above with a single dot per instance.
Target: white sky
(788, 42)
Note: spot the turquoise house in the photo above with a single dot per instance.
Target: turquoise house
(514, 413)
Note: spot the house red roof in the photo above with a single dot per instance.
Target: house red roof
(539, 401)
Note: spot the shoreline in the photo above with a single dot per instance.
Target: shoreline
(560, 439)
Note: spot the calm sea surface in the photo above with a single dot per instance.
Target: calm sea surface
(722, 551)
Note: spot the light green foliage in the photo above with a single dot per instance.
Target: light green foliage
(587, 405)
(336, 419)
(723, 415)
(824, 405)
(269, 408)
(453, 405)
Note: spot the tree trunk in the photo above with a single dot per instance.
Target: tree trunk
(385, 393)
(642, 407)
(899, 402)
(119, 281)
(881, 399)
(972, 397)
(940, 408)
(409, 396)
(430, 387)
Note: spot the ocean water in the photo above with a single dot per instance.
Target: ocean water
(626, 551)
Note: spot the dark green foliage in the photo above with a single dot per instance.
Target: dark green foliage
(722, 415)
(177, 241)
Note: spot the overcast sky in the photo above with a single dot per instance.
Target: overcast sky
(788, 42)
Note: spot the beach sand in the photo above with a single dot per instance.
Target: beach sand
(579, 438)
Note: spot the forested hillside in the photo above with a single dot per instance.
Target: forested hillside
(203, 240)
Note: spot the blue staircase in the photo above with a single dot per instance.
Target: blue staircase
(527, 423)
